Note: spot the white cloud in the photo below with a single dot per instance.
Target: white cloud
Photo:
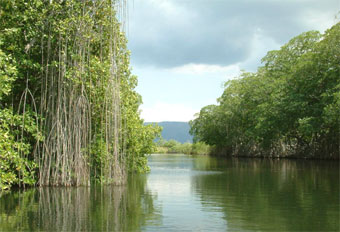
(206, 69)
(182, 51)
(161, 111)
(260, 45)
(319, 20)
(169, 9)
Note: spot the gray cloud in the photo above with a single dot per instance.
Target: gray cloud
(169, 33)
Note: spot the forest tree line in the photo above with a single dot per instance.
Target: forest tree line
(68, 109)
(289, 107)
(172, 147)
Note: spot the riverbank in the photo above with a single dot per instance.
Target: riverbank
(200, 148)
(172, 146)
(225, 152)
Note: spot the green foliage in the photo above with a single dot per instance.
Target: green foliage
(173, 146)
(17, 131)
(65, 72)
(289, 107)
(139, 144)
(7, 73)
(200, 148)
(16, 163)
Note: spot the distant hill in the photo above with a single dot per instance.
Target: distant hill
(178, 131)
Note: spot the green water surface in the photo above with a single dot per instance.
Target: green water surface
(189, 193)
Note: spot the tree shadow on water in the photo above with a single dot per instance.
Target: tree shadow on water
(96, 208)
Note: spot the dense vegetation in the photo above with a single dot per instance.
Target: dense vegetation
(68, 109)
(289, 107)
(173, 146)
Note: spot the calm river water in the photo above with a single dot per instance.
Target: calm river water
(189, 193)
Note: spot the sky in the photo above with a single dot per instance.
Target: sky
(183, 51)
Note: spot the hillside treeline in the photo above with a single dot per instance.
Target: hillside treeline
(290, 107)
(68, 108)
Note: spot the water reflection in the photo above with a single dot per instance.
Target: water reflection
(189, 193)
(100, 208)
(182, 210)
(262, 194)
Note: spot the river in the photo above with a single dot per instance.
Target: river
(189, 193)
